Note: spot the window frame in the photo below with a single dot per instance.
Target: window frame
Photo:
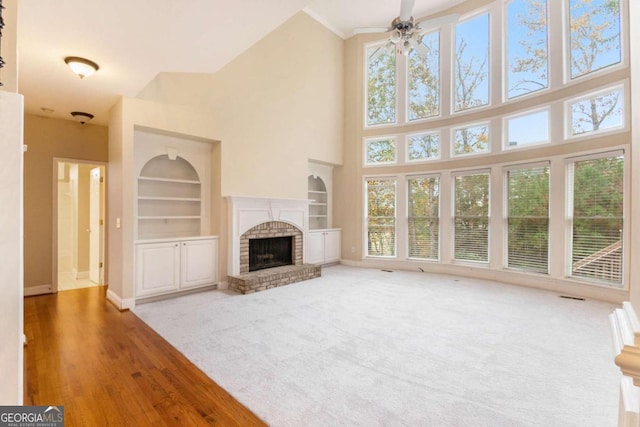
(452, 139)
(439, 240)
(365, 151)
(365, 235)
(505, 214)
(440, 74)
(505, 128)
(623, 86)
(569, 161)
(365, 85)
(452, 219)
(407, 138)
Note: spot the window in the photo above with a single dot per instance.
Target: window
(381, 217)
(424, 78)
(425, 146)
(471, 68)
(471, 220)
(594, 35)
(596, 218)
(528, 218)
(381, 86)
(527, 47)
(424, 217)
(597, 112)
(380, 151)
(527, 129)
(471, 140)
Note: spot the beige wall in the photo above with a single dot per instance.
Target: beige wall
(46, 139)
(272, 109)
(277, 105)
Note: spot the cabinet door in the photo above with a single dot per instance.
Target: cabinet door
(332, 246)
(157, 268)
(198, 263)
(315, 247)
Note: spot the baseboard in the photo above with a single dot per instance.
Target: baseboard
(561, 286)
(177, 294)
(38, 290)
(119, 303)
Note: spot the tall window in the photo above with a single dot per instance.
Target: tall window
(471, 220)
(471, 68)
(595, 35)
(528, 218)
(424, 78)
(424, 217)
(381, 85)
(381, 217)
(596, 218)
(527, 47)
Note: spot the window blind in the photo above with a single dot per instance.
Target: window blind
(381, 217)
(471, 219)
(424, 217)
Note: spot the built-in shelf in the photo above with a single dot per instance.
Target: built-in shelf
(169, 199)
(317, 193)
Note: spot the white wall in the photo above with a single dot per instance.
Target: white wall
(11, 266)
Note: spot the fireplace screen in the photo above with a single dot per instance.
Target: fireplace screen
(270, 252)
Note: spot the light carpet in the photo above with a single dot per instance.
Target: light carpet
(364, 347)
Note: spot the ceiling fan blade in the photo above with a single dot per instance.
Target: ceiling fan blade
(436, 22)
(367, 30)
(406, 9)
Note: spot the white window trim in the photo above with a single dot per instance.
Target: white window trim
(568, 221)
(365, 242)
(454, 174)
(366, 141)
(431, 159)
(622, 86)
(505, 214)
(452, 139)
(440, 74)
(427, 176)
(566, 53)
(505, 128)
(366, 48)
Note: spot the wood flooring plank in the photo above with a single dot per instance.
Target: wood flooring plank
(109, 368)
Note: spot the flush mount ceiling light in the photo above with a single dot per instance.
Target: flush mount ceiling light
(81, 66)
(81, 116)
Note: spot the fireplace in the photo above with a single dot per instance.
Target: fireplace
(270, 244)
(270, 252)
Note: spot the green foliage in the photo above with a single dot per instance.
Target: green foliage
(381, 86)
(381, 213)
(381, 151)
(424, 79)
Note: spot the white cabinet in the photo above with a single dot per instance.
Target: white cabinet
(163, 267)
(197, 266)
(323, 246)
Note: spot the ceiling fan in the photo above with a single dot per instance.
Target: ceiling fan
(406, 34)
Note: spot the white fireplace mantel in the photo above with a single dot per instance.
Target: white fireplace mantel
(247, 212)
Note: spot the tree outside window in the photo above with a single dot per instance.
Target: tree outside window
(381, 86)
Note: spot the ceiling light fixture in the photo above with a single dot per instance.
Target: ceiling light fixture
(81, 66)
(81, 116)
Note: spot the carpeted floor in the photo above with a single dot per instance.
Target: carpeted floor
(361, 347)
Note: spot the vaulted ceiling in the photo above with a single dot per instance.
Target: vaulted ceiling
(134, 40)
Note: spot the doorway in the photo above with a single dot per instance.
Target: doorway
(79, 211)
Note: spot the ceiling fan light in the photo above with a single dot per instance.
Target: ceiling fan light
(395, 36)
(81, 66)
(81, 116)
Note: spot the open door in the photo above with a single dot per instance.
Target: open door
(96, 226)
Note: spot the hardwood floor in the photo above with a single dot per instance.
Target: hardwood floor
(109, 368)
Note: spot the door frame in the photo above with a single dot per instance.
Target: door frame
(54, 237)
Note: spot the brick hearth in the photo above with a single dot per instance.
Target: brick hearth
(261, 280)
